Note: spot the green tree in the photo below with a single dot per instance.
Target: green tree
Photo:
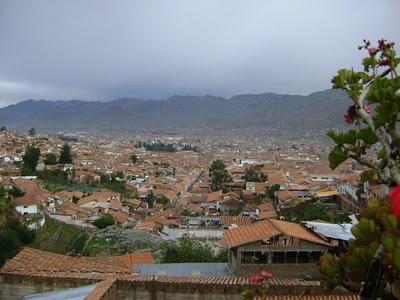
(6, 208)
(65, 155)
(312, 212)
(32, 131)
(189, 250)
(104, 221)
(3, 128)
(134, 158)
(13, 234)
(150, 199)
(271, 191)
(368, 176)
(30, 159)
(374, 256)
(218, 174)
(16, 192)
(253, 174)
(51, 159)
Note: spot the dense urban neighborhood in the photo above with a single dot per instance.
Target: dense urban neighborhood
(172, 207)
(199, 150)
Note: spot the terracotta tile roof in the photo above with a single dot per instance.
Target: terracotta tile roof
(169, 194)
(119, 216)
(238, 220)
(69, 195)
(310, 297)
(250, 233)
(132, 259)
(267, 211)
(285, 195)
(135, 202)
(298, 231)
(150, 225)
(214, 196)
(266, 229)
(27, 185)
(30, 198)
(171, 213)
(103, 196)
(115, 204)
(220, 280)
(31, 261)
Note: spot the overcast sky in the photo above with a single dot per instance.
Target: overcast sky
(101, 50)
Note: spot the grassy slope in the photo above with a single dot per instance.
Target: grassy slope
(59, 237)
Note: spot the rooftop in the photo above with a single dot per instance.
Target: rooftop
(266, 229)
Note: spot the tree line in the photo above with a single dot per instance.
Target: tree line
(32, 155)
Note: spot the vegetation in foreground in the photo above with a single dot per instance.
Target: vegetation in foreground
(371, 263)
(13, 233)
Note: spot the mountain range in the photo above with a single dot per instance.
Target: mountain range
(320, 110)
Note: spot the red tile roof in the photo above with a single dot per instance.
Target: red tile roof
(310, 297)
(238, 220)
(267, 211)
(214, 196)
(33, 261)
(266, 229)
(250, 233)
(132, 259)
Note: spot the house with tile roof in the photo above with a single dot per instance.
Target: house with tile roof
(285, 248)
(266, 210)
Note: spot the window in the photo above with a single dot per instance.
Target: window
(291, 257)
(255, 257)
(278, 257)
(303, 257)
(314, 256)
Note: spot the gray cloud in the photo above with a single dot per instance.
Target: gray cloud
(99, 50)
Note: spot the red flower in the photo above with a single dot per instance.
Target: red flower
(395, 201)
(381, 44)
(266, 275)
(256, 280)
(385, 62)
(368, 108)
(351, 114)
(372, 51)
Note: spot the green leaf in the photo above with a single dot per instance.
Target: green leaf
(396, 259)
(389, 241)
(368, 136)
(337, 156)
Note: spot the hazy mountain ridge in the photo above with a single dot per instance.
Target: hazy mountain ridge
(319, 110)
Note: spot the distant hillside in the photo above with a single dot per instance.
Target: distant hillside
(319, 110)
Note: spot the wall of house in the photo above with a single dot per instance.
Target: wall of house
(16, 287)
(176, 291)
(27, 209)
(282, 270)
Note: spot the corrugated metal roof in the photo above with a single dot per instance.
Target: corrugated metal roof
(78, 293)
(333, 231)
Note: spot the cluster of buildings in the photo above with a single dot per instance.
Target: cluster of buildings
(170, 195)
